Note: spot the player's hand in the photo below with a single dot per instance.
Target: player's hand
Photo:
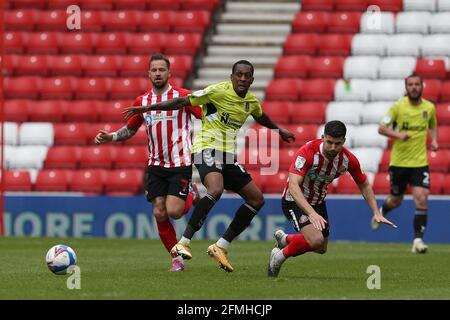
(317, 221)
(434, 145)
(286, 135)
(130, 111)
(403, 136)
(103, 137)
(381, 219)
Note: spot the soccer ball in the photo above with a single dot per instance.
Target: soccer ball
(60, 259)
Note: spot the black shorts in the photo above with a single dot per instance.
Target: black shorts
(298, 218)
(162, 181)
(235, 177)
(399, 177)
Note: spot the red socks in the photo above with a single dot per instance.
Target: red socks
(296, 245)
(167, 234)
(188, 203)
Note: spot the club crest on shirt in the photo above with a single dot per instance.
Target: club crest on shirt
(299, 163)
(148, 119)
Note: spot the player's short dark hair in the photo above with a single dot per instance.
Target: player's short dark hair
(159, 56)
(413, 75)
(335, 129)
(252, 69)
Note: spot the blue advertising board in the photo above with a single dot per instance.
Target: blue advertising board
(130, 217)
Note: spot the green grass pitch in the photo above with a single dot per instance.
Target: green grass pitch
(137, 269)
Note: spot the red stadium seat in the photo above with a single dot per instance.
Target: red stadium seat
(344, 22)
(317, 5)
(308, 112)
(445, 91)
(182, 43)
(21, 87)
(351, 5)
(157, 21)
(431, 68)
(101, 157)
(31, 65)
(128, 88)
(278, 111)
(71, 133)
(92, 88)
(335, 44)
(51, 20)
(27, 4)
(92, 21)
(77, 42)
(133, 65)
(100, 66)
(88, 181)
(318, 90)
(385, 160)
(124, 182)
(122, 20)
(301, 44)
(111, 110)
(82, 111)
(60, 4)
(191, 21)
(17, 110)
(9, 64)
(146, 43)
(286, 158)
(20, 20)
(249, 158)
(275, 183)
(65, 65)
(165, 5)
(444, 136)
(443, 113)
(52, 180)
(283, 89)
(446, 184)
(111, 43)
(209, 5)
(130, 4)
(346, 185)
(436, 182)
(93, 129)
(432, 89)
(381, 183)
(315, 22)
(14, 42)
(62, 157)
(180, 66)
(326, 67)
(47, 110)
(131, 157)
(303, 133)
(42, 43)
(57, 88)
(388, 5)
(17, 180)
(439, 161)
(96, 4)
(292, 66)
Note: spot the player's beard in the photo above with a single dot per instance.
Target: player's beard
(415, 97)
(159, 86)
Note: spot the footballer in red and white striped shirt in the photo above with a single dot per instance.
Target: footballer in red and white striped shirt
(316, 164)
(169, 172)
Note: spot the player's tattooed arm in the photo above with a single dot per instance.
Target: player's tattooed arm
(172, 104)
(122, 134)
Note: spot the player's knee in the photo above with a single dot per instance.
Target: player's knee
(160, 213)
(175, 213)
(215, 192)
(316, 242)
(257, 201)
(395, 201)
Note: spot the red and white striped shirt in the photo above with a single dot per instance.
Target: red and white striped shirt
(319, 172)
(169, 132)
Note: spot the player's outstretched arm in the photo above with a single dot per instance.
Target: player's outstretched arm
(316, 219)
(265, 121)
(369, 196)
(122, 134)
(171, 104)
